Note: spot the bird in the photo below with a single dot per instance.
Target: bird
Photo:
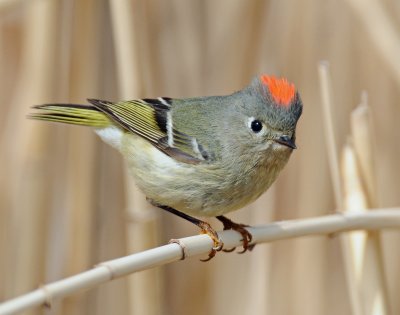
(201, 156)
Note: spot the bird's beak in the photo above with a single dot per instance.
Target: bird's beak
(285, 140)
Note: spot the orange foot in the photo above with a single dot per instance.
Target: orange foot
(238, 227)
(204, 226)
(207, 229)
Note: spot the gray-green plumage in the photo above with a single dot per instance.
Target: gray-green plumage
(203, 156)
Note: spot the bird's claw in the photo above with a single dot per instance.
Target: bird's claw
(240, 228)
(218, 244)
(230, 250)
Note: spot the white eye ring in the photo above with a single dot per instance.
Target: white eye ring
(255, 125)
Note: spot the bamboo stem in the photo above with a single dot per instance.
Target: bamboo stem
(201, 245)
(145, 295)
(353, 244)
(363, 141)
(382, 31)
(24, 162)
(125, 47)
(363, 252)
(81, 160)
(327, 104)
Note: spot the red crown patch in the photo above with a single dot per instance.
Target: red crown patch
(281, 90)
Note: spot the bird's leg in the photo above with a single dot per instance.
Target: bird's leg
(238, 227)
(205, 227)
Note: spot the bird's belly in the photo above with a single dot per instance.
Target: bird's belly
(197, 190)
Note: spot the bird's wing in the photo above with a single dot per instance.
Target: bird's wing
(152, 120)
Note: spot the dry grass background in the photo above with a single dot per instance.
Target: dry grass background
(66, 203)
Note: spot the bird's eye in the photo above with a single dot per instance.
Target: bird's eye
(256, 126)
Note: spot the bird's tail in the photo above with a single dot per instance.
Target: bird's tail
(85, 115)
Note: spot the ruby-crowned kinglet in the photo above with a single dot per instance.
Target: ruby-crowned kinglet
(203, 156)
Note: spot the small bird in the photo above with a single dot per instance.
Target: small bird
(203, 156)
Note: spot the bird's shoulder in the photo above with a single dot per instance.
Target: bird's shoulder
(174, 126)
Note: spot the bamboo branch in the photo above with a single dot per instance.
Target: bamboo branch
(200, 245)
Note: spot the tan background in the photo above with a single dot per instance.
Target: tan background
(64, 202)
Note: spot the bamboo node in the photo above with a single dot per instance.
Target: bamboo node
(109, 268)
(48, 297)
(182, 246)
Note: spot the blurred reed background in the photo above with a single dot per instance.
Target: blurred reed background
(67, 204)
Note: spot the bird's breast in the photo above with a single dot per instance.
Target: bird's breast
(206, 189)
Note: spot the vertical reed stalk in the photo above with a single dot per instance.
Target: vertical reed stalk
(145, 294)
(364, 259)
(332, 146)
(25, 161)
